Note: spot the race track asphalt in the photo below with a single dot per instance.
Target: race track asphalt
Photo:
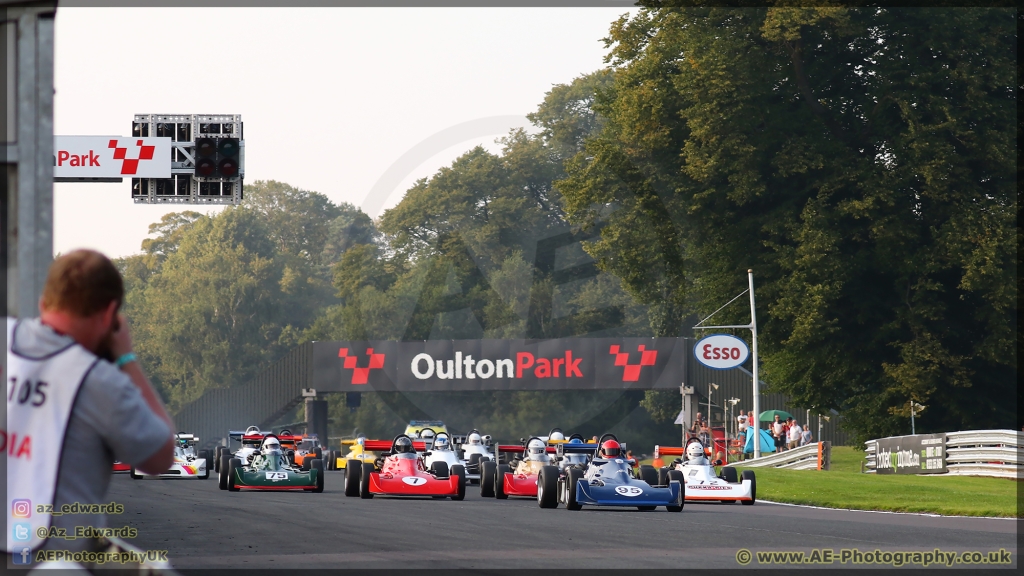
(203, 527)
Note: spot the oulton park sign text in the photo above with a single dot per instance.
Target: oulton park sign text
(556, 364)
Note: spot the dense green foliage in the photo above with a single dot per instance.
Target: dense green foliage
(861, 161)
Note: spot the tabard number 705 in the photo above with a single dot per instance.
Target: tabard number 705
(29, 392)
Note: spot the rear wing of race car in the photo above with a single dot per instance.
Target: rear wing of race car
(660, 451)
(460, 439)
(385, 445)
(589, 448)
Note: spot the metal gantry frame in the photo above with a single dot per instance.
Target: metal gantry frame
(184, 187)
(27, 151)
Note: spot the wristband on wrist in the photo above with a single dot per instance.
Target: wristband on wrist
(124, 359)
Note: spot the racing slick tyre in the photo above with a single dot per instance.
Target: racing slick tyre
(572, 478)
(487, 479)
(729, 475)
(332, 459)
(352, 474)
(440, 470)
(205, 455)
(547, 487)
(318, 465)
(459, 471)
(233, 464)
(216, 458)
(678, 476)
(131, 472)
(663, 476)
(645, 508)
(473, 466)
(499, 481)
(305, 463)
(319, 453)
(649, 474)
(222, 474)
(749, 475)
(364, 481)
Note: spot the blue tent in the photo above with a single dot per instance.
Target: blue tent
(767, 442)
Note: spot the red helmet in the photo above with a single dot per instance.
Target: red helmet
(611, 449)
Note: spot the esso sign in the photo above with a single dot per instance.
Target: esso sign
(721, 351)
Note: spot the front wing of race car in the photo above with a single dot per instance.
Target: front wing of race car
(633, 494)
(195, 469)
(413, 485)
(275, 479)
(717, 491)
(520, 484)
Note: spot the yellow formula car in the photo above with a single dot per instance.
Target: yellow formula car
(356, 451)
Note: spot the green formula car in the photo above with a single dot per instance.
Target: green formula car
(269, 469)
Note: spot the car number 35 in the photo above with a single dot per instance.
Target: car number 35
(629, 491)
(276, 476)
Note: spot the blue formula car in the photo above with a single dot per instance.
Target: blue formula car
(607, 479)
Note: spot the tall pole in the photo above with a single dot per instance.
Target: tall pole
(757, 382)
(912, 430)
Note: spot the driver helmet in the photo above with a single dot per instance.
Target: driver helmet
(575, 441)
(271, 443)
(694, 451)
(426, 433)
(361, 441)
(404, 446)
(441, 442)
(611, 449)
(252, 430)
(535, 449)
(474, 439)
(556, 435)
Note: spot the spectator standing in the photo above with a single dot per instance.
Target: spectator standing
(778, 434)
(698, 420)
(87, 401)
(741, 423)
(805, 437)
(704, 434)
(795, 432)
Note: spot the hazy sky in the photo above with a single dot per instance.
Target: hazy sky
(331, 98)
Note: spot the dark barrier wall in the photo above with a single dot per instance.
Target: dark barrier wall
(450, 365)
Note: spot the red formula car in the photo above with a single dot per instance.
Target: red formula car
(519, 478)
(400, 471)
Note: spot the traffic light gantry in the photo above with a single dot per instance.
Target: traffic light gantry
(207, 159)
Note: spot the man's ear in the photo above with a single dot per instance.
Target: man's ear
(111, 312)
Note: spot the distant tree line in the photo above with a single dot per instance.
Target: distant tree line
(861, 160)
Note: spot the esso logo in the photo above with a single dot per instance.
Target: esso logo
(629, 491)
(414, 480)
(721, 351)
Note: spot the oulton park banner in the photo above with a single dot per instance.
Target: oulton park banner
(451, 365)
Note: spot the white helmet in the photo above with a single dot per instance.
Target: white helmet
(556, 435)
(252, 430)
(535, 449)
(271, 443)
(694, 450)
(426, 433)
(474, 439)
(361, 441)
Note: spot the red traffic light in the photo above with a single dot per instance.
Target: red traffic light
(205, 167)
(228, 168)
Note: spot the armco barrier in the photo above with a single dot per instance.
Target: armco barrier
(994, 453)
(815, 456)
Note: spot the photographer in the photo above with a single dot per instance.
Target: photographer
(79, 400)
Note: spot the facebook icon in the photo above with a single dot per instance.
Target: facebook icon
(23, 557)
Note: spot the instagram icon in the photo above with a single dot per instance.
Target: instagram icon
(21, 508)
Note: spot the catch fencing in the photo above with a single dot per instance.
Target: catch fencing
(995, 453)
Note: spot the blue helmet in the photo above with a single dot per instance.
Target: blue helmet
(575, 441)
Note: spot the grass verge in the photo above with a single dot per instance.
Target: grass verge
(844, 486)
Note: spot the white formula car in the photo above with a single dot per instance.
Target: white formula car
(702, 483)
(223, 454)
(188, 463)
(474, 449)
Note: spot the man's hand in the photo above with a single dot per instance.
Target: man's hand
(121, 338)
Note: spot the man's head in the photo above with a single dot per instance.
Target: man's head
(403, 446)
(82, 294)
(777, 418)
